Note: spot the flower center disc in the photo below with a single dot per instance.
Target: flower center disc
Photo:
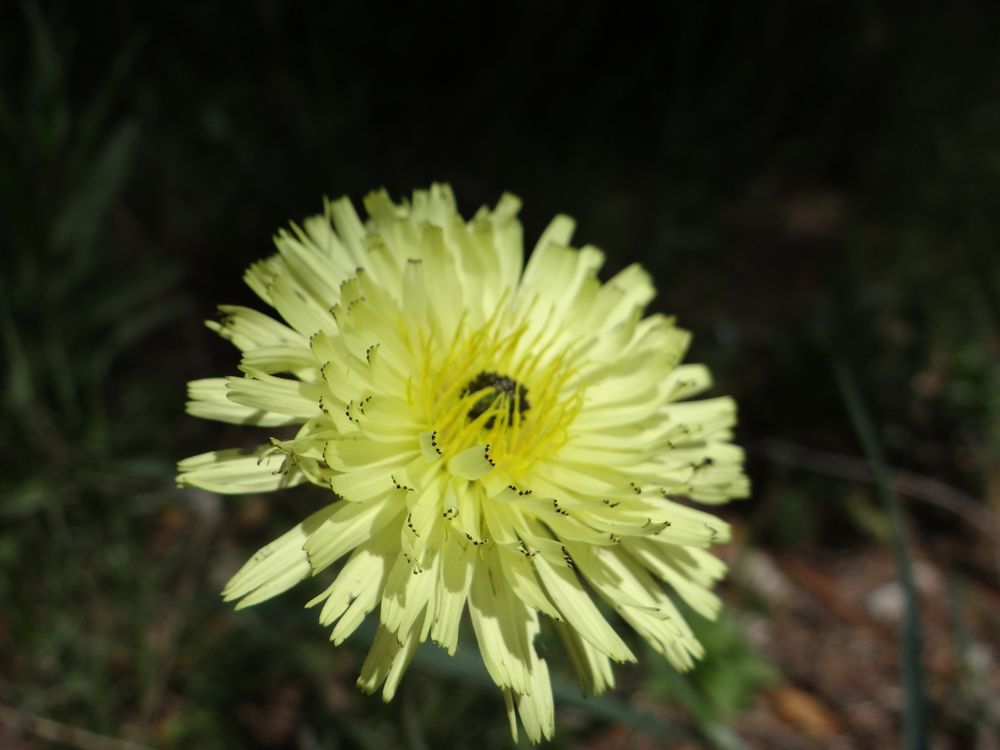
(496, 387)
(475, 390)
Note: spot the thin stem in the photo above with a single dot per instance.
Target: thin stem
(911, 645)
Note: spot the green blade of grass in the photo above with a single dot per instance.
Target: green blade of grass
(77, 224)
(911, 646)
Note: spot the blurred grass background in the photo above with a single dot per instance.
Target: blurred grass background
(809, 185)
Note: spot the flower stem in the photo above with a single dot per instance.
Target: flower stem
(911, 641)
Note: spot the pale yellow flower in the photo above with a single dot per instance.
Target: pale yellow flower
(494, 434)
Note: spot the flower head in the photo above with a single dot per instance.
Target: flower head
(501, 437)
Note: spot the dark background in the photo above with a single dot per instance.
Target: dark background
(814, 189)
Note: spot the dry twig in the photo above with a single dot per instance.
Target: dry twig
(17, 721)
(931, 491)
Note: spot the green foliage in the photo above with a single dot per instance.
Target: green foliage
(75, 300)
(69, 307)
(722, 685)
(732, 672)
